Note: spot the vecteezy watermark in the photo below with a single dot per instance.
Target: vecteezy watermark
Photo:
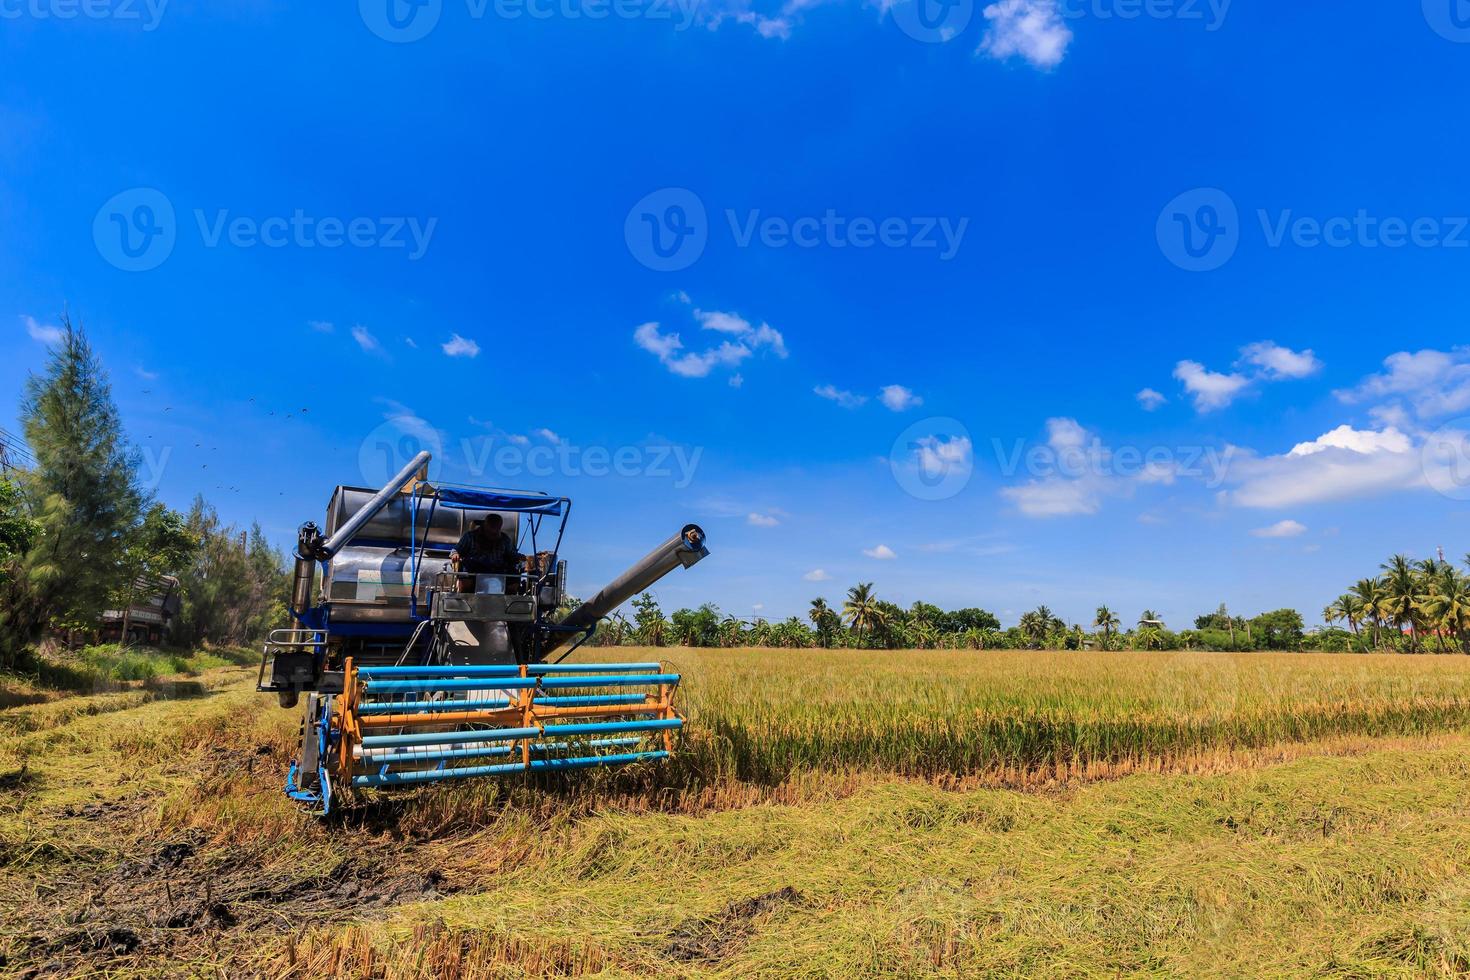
(1445, 459)
(152, 465)
(1086, 456)
(669, 229)
(1210, 13)
(394, 443)
(1200, 230)
(148, 14)
(1450, 19)
(933, 459)
(933, 21)
(404, 21)
(137, 230)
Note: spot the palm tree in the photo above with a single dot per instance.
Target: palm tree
(860, 610)
(1401, 586)
(1035, 625)
(823, 618)
(1368, 599)
(1107, 621)
(1446, 607)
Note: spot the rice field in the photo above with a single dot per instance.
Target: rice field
(852, 814)
(768, 715)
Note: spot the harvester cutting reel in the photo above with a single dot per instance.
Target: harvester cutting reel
(402, 726)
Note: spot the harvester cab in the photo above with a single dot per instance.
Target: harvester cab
(414, 672)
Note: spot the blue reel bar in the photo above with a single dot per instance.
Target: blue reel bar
(416, 724)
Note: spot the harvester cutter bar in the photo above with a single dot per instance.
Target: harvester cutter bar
(414, 724)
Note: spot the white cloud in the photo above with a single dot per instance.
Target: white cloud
(660, 345)
(1054, 497)
(1279, 362)
(882, 552)
(760, 520)
(817, 575)
(42, 333)
(1265, 360)
(667, 347)
(764, 335)
(457, 346)
(1082, 472)
(937, 458)
(722, 322)
(1209, 389)
(321, 326)
(519, 439)
(1389, 440)
(897, 398)
(737, 380)
(411, 342)
(1150, 399)
(146, 374)
(1281, 529)
(1063, 434)
(844, 398)
(1032, 29)
(1434, 382)
(365, 339)
(548, 435)
(1338, 465)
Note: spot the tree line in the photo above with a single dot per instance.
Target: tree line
(1413, 606)
(865, 621)
(78, 534)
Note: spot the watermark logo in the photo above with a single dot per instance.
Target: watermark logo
(1210, 13)
(1199, 230)
(136, 229)
(933, 21)
(1450, 19)
(933, 459)
(147, 13)
(400, 21)
(393, 445)
(404, 21)
(667, 230)
(390, 447)
(1445, 459)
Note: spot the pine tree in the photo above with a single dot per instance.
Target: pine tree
(82, 493)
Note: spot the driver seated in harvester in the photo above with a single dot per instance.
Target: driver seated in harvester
(485, 550)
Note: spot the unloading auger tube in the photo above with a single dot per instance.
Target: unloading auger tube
(416, 673)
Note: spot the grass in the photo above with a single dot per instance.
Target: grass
(110, 667)
(858, 814)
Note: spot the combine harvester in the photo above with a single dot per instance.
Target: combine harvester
(414, 672)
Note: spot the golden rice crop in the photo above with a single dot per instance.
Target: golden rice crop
(767, 715)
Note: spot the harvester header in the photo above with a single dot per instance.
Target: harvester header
(417, 668)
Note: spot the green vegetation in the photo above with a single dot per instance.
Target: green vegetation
(1427, 600)
(78, 534)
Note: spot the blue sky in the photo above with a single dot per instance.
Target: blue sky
(902, 254)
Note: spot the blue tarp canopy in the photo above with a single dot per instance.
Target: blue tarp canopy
(468, 498)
